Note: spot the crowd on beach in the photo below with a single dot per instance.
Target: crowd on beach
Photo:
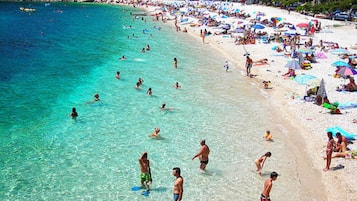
(290, 46)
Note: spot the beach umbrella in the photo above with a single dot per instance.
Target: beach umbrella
(345, 71)
(340, 63)
(302, 25)
(258, 26)
(340, 51)
(293, 64)
(305, 50)
(322, 90)
(304, 79)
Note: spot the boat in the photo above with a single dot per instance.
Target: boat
(27, 9)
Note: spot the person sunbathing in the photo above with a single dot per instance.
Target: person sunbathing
(261, 62)
(290, 73)
(351, 86)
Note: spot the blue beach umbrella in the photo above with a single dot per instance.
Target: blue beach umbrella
(340, 63)
(258, 26)
(340, 51)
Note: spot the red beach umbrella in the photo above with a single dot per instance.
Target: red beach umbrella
(303, 25)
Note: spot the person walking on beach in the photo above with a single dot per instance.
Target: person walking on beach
(203, 155)
(178, 184)
(248, 64)
(175, 63)
(329, 150)
(260, 162)
(145, 172)
(268, 184)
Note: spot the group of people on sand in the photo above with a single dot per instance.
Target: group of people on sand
(339, 146)
(145, 169)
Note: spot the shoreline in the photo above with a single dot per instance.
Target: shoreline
(311, 138)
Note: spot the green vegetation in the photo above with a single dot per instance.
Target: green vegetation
(315, 6)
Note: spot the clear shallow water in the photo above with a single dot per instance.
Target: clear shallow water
(52, 61)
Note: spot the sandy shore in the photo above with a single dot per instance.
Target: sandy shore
(309, 121)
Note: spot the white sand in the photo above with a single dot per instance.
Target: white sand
(310, 119)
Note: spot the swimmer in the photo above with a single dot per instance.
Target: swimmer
(123, 57)
(175, 63)
(96, 97)
(117, 76)
(137, 86)
(268, 136)
(140, 80)
(147, 47)
(155, 134)
(143, 50)
(74, 113)
(163, 107)
(260, 162)
(149, 91)
(177, 85)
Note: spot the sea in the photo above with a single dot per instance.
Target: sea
(59, 56)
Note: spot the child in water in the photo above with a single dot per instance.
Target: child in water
(260, 162)
(268, 136)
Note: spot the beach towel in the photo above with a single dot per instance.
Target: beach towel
(347, 105)
(337, 129)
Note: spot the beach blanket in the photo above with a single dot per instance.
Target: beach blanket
(347, 105)
(337, 129)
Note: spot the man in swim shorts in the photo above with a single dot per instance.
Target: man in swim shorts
(268, 184)
(248, 64)
(178, 185)
(145, 173)
(203, 155)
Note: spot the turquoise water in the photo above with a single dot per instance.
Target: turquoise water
(61, 55)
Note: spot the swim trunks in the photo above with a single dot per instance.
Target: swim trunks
(176, 196)
(145, 177)
(205, 162)
(263, 198)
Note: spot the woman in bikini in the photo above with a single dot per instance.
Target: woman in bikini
(329, 150)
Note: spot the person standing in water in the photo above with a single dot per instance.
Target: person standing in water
(203, 155)
(260, 162)
(145, 172)
(178, 184)
(268, 184)
(74, 113)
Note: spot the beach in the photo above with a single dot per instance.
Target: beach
(309, 121)
(49, 155)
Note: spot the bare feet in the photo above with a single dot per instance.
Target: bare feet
(325, 169)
